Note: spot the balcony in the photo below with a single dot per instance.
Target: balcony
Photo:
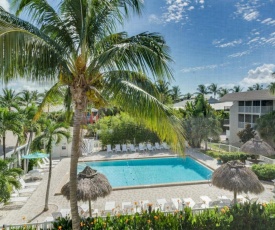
(241, 125)
(255, 109)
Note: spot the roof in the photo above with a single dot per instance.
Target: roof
(248, 96)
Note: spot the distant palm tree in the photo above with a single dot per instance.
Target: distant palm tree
(9, 121)
(236, 89)
(9, 99)
(27, 97)
(51, 136)
(176, 94)
(8, 179)
(202, 89)
(213, 88)
(223, 91)
(188, 96)
(257, 86)
(271, 87)
(164, 91)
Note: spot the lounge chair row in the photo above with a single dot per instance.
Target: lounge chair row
(141, 147)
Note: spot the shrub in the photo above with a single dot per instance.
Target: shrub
(264, 172)
(227, 156)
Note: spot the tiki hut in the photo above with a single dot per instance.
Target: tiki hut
(234, 176)
(256, 146)
(90, 186)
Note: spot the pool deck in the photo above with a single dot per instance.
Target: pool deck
(31, 211)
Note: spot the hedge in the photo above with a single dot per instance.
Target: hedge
(264, 171)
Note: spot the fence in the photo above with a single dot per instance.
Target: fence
(37, 226)
(222, 147)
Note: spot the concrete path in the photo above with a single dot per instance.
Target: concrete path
(32, 211)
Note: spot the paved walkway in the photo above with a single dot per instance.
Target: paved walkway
(32, 210)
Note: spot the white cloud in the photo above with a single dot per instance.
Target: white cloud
(228, 44)
(154, 19)
(261, 75)
(5, 4)
(176, 10)
(22, 84)
(248, 9)
(198, 68)
(239, 54)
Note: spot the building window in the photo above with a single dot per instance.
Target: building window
(241, 121)
(241, 103)
(267, 103)
(256, 103)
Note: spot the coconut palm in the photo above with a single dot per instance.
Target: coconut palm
(52, 135)
(213, 88)
(9, 121)
(76, 45)
(9, 99)
(236, 89)
(223, 91)
(27, 98)
(164, 91)
(202, 89)
(257, 86)
(8, 179)
(176, 94)
(188, 96)
(271, 87)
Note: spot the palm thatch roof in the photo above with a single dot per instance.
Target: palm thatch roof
(90, 185)
(234, 176)
(255, 146)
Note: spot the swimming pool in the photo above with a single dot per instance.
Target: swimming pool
(150, 171)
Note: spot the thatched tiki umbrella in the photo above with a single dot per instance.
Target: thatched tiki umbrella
(234, 176)
(90, 186)
(256, 146)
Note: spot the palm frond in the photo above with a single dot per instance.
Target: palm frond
(146, 108)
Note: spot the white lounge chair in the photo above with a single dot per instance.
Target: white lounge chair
(161, 203)
(132, 148)
(42, 166)
(124, 148)
(206, 200)
(25, 190)
(177, 203)
(150, 147)
(117, 148)
(56, 215)
(189, 202)
(47, 162)
(127, 207)
(18, 199)
(65, 212)
(144, 204)
(28, 184)
(109, 149)
(165, 146)
(158, 146)
(141, 147)
(109, 206)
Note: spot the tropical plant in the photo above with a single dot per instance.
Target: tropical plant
(213, 88)
(10, 121)
(8, 179)
(264, 171)
(9, 99)
(222, 91)
(51, 136)
(271, 87)
(188, 96)
(246, 134)
(265, 126)
(202, 89)
(27, 98)
(76, 43)
(164, 92)
(176, 94)
(257, 86)
(236, 89)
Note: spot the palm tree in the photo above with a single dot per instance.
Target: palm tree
(9, 121)
(76, 44)
(223, 91)
(27, 98)
(176, 94)
(8, 179)
(164, 91)
(236, 89)
(213, 88)
(9, 99)
(202, 89)
(271, 87)
(51, 136)
(257, 86)
(188, 96)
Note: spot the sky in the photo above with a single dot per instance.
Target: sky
(226, 42)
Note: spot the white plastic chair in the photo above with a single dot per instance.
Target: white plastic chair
(157, 146)
(26, 185)
(189, 202)
(161, 203)
(109, 149)
(124, 148)
(150, 147)
(132, 148)
(117, 148)
(177, 203)
(141, 147)
(165, 146)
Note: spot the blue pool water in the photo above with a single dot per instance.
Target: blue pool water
(150, 171)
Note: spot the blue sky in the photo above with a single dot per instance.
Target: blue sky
(227, 42)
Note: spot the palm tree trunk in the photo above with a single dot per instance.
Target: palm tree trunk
(235, 197)
(46, 207)
(4, 145)
(73, 168)
(29, 142)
